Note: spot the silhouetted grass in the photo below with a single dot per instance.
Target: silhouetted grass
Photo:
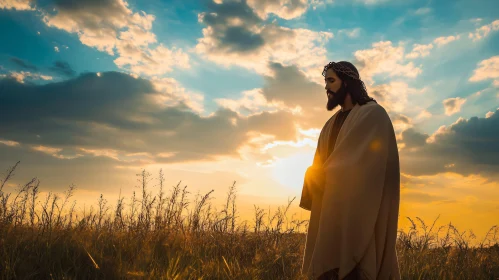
(167, 236)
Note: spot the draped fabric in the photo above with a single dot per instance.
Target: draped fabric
(353, 193)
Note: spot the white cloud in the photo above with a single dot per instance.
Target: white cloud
(476, 20)
(423, 115)
(382, 58)
(111, 26)
(22, 76)
(171, 93)
(150, 61)
(422, 11)
(252, 101)
(441, 41)
(319, 3)
(484, 31)
(393, 96)
(286, 9)
(56, 49)
(487, 69)
(420, 51)
(351, 33)
(19, 5)
(453, 105)
(235, 35)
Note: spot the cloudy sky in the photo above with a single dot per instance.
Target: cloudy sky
(93, 91)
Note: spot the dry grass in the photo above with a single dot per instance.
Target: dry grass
(167, 236)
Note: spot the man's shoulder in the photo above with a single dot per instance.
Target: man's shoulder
(373, 107)
(373, 110)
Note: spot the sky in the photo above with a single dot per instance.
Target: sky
(212, 92)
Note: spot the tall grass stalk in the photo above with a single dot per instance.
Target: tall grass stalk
(167, 236)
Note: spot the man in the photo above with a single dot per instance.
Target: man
(352, 188)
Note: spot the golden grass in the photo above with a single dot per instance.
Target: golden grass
(164, 236)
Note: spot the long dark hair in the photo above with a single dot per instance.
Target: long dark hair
(349, 75)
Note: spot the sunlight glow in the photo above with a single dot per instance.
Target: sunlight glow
(289, 171)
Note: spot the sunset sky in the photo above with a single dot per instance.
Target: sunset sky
(94, 91)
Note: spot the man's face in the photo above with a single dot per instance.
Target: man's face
(335, 94)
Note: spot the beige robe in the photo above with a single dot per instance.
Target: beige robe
(354, 197)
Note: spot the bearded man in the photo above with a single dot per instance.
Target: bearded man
(352, 189)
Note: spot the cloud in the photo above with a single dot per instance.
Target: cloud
(117, 112)
(151, 62)
(19, 5)
(112, 27)
(420, 51)
(62, 67)
(411, 138)
(56, 49)
(173, 94)
(23, 76)
(484, 31)
(400, 122)
(489, 114)
(444, 40)
(286, 9)
(372, 2)
(384, 58)
(251, 102)
(424, 115)
(487, 69)
(9, 143)
(453, 105)
(96, 22)
(468, 146)
(351, 33)
(423, 11)
(236, 35)
(422, 197)
(21, 63)
(288, 85)
(394, 95)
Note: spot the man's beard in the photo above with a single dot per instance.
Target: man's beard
(337, 98)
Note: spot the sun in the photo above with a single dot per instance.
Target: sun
(289, 171)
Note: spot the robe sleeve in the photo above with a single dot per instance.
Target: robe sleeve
(313, 181)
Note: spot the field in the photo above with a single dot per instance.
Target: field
(169, 236)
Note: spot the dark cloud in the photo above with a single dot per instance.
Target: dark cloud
(23, 64)
(115, 111)
(53, 172)
(90, 10)
(411, 138)
(102, 174)
(290, 86)
(469, 146)
(400, 118)
(239, 38)
(64, 68)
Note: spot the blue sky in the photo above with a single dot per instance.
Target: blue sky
(232, 90)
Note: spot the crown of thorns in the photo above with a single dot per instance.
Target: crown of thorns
(340, 67)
